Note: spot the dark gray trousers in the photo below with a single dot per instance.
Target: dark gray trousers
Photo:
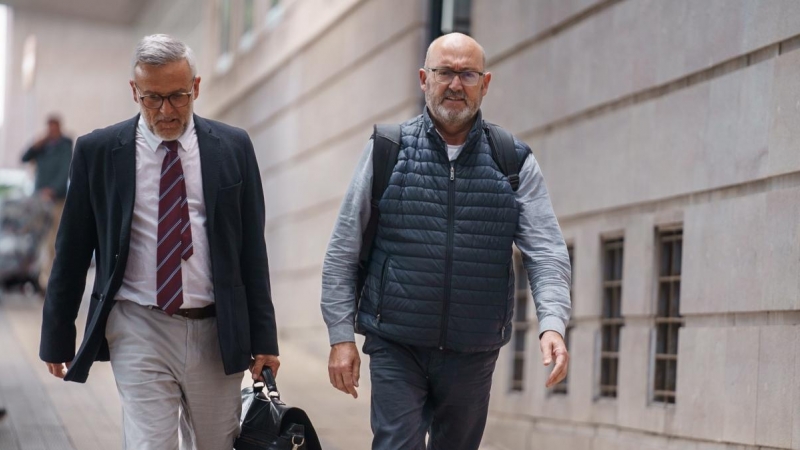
(423, 390)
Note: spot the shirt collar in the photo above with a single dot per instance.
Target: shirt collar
(153, 141)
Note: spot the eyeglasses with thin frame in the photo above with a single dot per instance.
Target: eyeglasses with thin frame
(445, 75)
(155, 101)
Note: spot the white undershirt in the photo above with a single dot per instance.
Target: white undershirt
(453, 151)
(139, 282)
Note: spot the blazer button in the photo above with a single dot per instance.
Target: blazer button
(116, 256)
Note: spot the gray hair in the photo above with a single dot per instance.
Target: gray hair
(160, 49)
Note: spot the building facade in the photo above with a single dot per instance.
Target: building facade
(666, 131)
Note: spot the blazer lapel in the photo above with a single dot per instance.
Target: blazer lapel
(124, 160)
(210, 156)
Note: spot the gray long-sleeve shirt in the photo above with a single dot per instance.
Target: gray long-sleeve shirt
(538, 238)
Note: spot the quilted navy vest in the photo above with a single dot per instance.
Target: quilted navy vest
(440, 274)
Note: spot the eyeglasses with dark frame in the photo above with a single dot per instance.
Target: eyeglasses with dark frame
(155, 101)
(444, 75)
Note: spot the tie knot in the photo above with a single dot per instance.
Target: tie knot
(172, 146)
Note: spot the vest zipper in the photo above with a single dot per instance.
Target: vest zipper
(383, 288)
(448, 264)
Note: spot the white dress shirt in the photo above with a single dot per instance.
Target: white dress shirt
(139, 282)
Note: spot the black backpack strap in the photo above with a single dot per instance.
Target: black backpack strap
(505, 153)
(385, 148)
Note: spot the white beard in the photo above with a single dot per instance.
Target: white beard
(454, 118)
(450, 117)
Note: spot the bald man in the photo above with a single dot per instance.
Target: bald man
(439, 294)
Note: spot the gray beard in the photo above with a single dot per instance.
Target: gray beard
(152, 129)
(453, 118)
(450, 117)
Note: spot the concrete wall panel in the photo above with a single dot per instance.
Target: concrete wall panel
(591, 63)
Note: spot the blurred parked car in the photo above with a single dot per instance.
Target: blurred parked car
(24, 220)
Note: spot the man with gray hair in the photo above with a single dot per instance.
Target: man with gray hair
(438, 300)
(172, 206)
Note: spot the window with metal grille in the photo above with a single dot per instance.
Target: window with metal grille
(248, 17)
(521, 296)
(561, 388)
(224, 26)
(448, 16)
(611, 321)
(668, 319)
(274, 14)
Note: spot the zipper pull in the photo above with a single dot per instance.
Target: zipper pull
(452, 172)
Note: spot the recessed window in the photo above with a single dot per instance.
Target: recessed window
(224, 56)
(248, 19)
(521, 326)
(611, 320)
(456, 16)
(28, 62)
(561, 387)
(248, 31)
(668, 318)
(224, 27)
(274, 13)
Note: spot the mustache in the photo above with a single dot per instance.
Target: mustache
(453, 94)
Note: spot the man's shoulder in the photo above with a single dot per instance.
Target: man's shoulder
(101, 136)
(522, 149)
(222, 130)
(416, 121)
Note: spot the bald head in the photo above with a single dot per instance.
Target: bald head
(454, 81)
(456, 44)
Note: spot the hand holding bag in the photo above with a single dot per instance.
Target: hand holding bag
(269, 424)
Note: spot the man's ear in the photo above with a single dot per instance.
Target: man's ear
(196, 87)
(487, 78)
(133, 91)
(423, 78)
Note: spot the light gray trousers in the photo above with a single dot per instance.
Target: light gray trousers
(171, 383)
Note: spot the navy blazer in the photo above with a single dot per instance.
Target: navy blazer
(97, 219)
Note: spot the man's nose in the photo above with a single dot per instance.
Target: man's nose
(456, 85)
(166, 107)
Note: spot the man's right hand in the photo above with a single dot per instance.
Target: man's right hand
(344, 367)
(57, 369)
(39, 144)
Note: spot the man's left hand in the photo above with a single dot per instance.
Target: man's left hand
(258, 363)
(553, 347)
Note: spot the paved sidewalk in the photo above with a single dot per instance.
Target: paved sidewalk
(47, 413)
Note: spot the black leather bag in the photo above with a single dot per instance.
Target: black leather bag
(270, 424)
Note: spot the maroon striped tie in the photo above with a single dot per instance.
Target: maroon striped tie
(174, 231)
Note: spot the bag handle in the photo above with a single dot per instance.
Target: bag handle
(269, 383)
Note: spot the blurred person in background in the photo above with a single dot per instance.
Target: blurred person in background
(51, 154)
(173, 208)
(438, 300)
